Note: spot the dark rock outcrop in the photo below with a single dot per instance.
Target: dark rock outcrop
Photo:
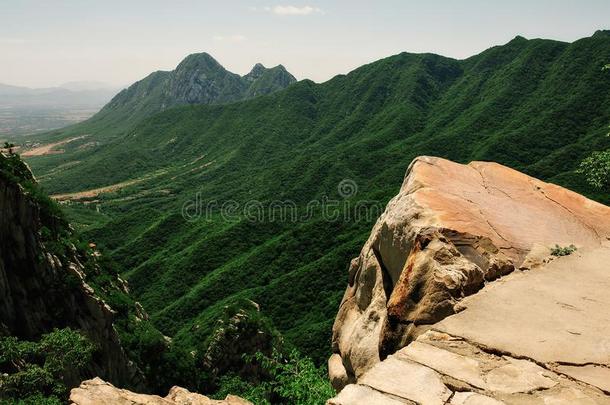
(40, 291)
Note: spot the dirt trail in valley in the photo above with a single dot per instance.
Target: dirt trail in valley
(92, 193)
(49, 149)
(80, 195)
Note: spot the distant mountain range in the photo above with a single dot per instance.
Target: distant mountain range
(74, 94)
(539, 106)
(25, 110)
(88, 85)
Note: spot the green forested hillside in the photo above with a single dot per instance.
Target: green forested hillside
(539, 106)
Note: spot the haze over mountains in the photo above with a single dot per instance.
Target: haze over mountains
(68, 94)
(24, 110)
(202, 136)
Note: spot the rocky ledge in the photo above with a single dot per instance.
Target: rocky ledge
(455, 298)
(99, 392)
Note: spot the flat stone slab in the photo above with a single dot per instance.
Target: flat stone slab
(558, 313)
(442, 369)
(460, 367)
(595, 375)
(408, 380)
(362, 395)
(467, 364)
(472, 398)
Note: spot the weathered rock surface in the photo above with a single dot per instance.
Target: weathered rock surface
(559, 313)
(439, 368)
(99, 392)
(452, 230)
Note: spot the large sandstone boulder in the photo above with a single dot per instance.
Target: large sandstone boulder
(99, 392)
(451, 230)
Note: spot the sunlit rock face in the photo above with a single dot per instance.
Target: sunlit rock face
(453, 234)
(99, 392)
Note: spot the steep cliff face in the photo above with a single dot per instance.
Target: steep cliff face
(424, 301)
(42, 285)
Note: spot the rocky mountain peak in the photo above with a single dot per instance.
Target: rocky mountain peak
(602, 34)
(199, 61)
(198, 79)
(257, 71)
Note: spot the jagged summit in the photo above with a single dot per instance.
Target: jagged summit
(199, 60)
(518, 38)
(601, 34)
(257, 71)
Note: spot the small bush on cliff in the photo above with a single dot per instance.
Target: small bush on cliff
(241, 331)
(596, 169)
(37, 399)
(563, 251)
(164, 363)
(294, 379)
(35, 372)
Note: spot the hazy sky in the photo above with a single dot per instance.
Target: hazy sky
(48, 42)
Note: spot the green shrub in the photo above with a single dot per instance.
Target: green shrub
(563, 251)
(294, 379)
(596, 169)
(233, 384)
(164, 363)
(34, 370)
(36, 399)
